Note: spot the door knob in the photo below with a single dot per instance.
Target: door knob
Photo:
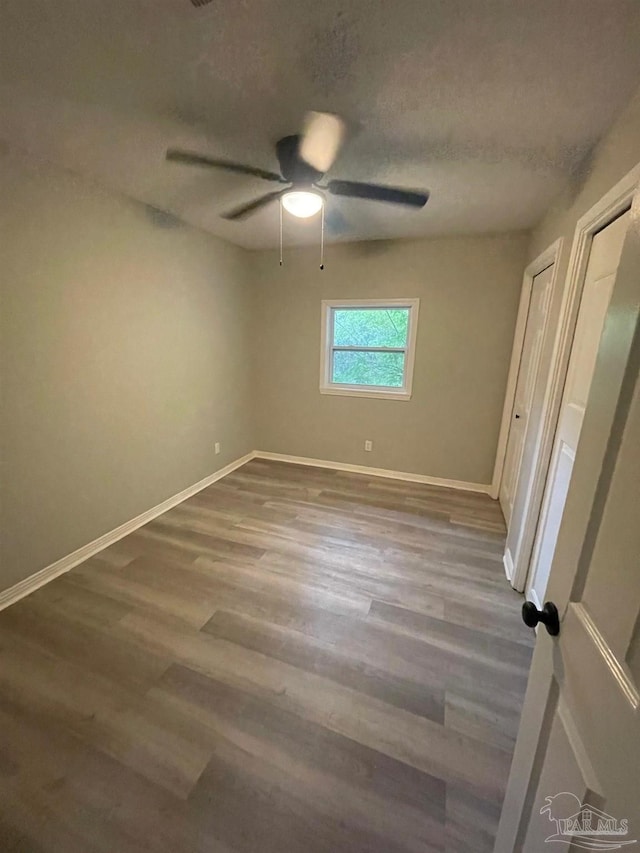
(517, 416)
(548, 616)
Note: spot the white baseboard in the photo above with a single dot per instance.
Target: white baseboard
(64, 564)
(533, 595)
(507, 562)
(375, 472)
(33, 582)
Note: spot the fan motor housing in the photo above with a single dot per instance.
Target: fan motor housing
(294, 169)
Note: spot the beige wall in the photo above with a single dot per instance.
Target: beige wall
(469, 290)
(124, 357)
(617, 153)
(124, 352)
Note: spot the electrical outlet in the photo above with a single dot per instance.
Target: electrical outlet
(368, 445)
(217, 447)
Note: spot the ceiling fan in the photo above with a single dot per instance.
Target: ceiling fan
(304, 160)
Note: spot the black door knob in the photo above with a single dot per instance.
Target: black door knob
(548, 616)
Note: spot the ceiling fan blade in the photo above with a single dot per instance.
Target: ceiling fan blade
(334, 220)
(322, 136)
(378, 192)
(190, 158)
(250, 207)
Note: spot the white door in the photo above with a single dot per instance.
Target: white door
(522, 413)
(575, 777)
(603, 262)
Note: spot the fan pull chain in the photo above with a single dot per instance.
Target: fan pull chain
(280, 232)
(322, 241)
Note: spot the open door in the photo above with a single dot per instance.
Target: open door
(575, 777)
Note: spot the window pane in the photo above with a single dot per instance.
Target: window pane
(370, 327)
(369, 368)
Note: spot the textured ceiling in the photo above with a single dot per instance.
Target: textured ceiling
(491, 105)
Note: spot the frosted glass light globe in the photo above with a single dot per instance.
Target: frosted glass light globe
(302, 203)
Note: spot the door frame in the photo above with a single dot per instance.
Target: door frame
(537, 715)
(611, 205)
(551, 255)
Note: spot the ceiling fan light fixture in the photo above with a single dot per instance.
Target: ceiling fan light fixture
(302, 203)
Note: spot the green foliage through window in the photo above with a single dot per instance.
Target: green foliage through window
(368, 368)
(377, 339)
(370, 327)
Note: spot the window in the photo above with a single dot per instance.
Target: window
(368, 347)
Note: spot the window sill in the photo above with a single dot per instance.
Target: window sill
(384, 394)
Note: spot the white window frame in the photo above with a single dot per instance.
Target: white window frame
(327, 349)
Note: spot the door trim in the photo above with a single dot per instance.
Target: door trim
(565, 577)
(611, 205)
(550, 256)
(617, 668)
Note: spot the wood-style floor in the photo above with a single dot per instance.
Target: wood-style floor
(294, 660)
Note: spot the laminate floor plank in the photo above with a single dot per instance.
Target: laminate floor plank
(294, 659)
(323, 657)
(87, 800)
